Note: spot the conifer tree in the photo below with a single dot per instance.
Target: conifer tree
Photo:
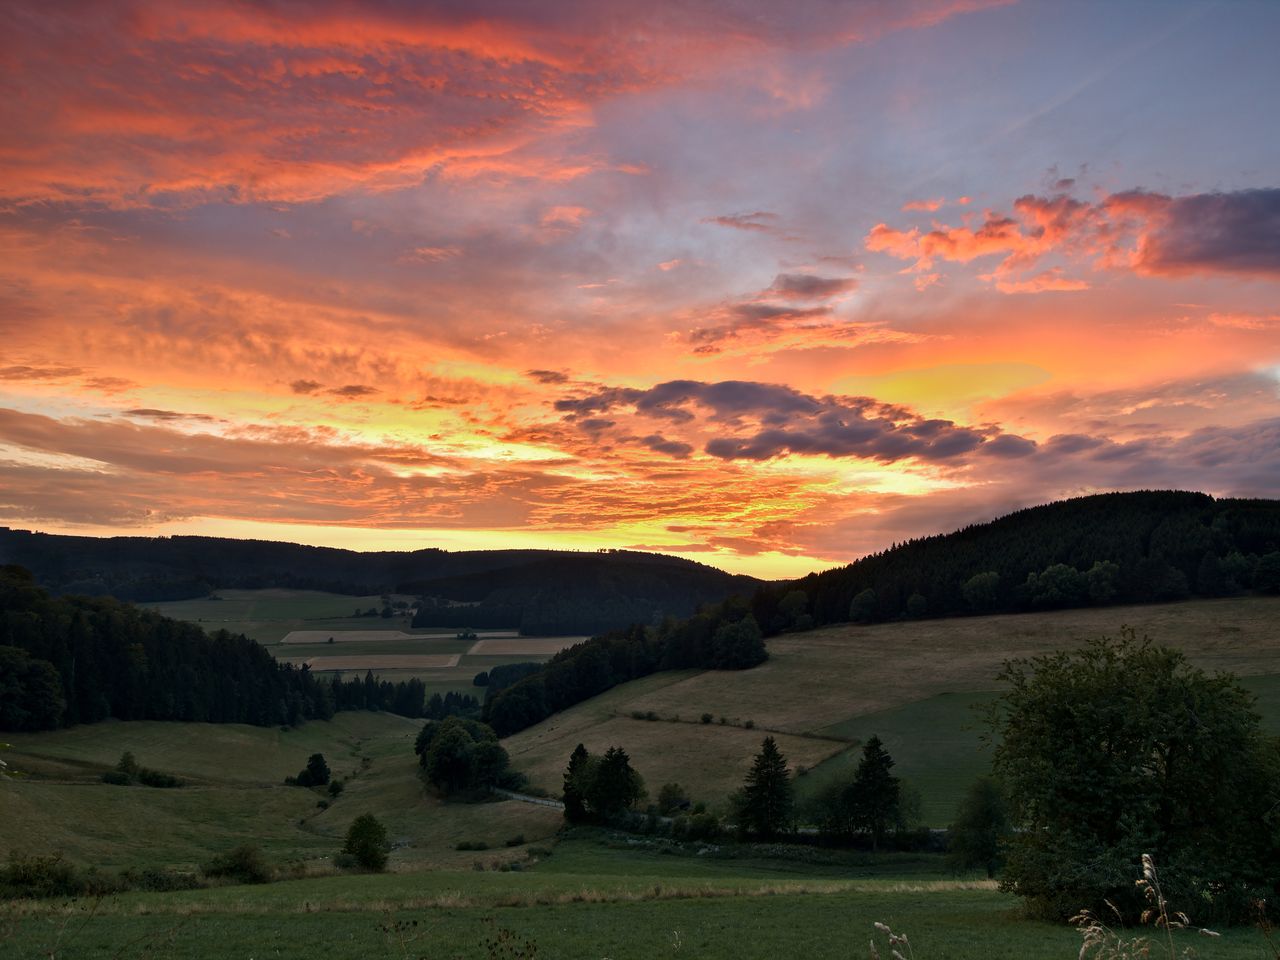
(767, 796)
(575, 808)
(875, 792)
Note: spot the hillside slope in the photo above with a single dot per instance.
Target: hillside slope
(821, 690)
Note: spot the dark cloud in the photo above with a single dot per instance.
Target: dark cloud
(765, 420)
(24, 372)
(660, 444)
(305, 386)
(109, 384)
(547, 376)
(806, 286)
(148, 413)
(1009, 445)
(761, 221)
(1212, 232)
(353, 391)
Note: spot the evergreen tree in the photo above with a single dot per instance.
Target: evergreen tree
(875, 793)
(767, 796)
(614, 785)
(575, 808)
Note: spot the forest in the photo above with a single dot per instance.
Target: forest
(73, 660)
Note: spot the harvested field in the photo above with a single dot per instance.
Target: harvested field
(403, 662)
(533, 646)
(345, 636)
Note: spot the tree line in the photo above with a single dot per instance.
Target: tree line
(721, 637)
(74, 660)
(1109, 548)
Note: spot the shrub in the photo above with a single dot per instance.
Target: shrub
(116, 778)
(516, 841)
(750, 724)
(706, 718)
(40, 877)
(472, 845)
(154, 778)
(345, 861)
(158, 880)
(367, 842)
(244, 864)
(315, 774)
(336, 787)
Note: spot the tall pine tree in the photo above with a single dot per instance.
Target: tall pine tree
(767, 797)
(875, 792)
(575, 806)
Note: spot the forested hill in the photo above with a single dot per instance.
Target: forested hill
(1109, 548)
(540, 591)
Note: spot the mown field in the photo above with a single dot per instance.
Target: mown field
(915, 684)
(312, 616)
(585, 900)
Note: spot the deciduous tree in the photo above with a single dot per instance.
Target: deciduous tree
(1122, 748)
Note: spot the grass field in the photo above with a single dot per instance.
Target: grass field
(235, 794)
(585, 900)
(912, 683)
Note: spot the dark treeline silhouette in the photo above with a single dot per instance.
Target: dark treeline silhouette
(74, 660)
(1109, 548)
(539, 592)
(574, 594)
(724, 637)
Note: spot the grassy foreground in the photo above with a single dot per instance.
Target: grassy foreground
(584, 901)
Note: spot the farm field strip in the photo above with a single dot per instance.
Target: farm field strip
(534, 646)
(385, 662)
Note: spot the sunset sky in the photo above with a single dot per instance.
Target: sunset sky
(766, 285)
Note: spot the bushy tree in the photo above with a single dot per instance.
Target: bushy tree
(1266, 575)
(738, 645)
(30, 692)
(1058, 585)
(980, 829)
(865, 607)
(461, 757)
(316, 773)
(1121, 748)
(767, 796)
(1102, 581)
(367, 842)
(982, 591)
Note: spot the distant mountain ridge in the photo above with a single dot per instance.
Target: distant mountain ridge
(538, 591)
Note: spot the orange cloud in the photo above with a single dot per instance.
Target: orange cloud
(1135, 230)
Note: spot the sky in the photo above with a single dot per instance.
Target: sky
(768, 286)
